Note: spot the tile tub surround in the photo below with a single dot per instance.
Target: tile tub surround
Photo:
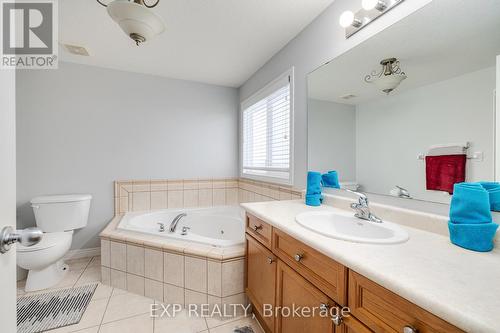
(140, 195)
(172, 271)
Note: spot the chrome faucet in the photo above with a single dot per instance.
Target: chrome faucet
(176, 220)
(162, 226)
(402, 192)
(362, 209)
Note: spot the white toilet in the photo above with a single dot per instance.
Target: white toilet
(57, 216)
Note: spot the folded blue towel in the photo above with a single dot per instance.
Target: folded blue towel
(493, 189)
(476, 237)
(313, 191)
(470, 204)
(330, 179)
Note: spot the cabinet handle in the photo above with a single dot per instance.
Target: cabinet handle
(298, 257)
(270, 260)
(337, 319)
(257, 227)
(409, 329)
(324, 306)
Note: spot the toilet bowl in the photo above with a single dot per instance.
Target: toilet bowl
(44, 260)
(57, 216)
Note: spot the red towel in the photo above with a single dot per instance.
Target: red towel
(443, 171)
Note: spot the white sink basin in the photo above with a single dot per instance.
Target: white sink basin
(343, 225)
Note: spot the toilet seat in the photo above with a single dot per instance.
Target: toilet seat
(49, 239)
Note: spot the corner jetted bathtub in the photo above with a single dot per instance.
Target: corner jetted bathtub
(216, 226)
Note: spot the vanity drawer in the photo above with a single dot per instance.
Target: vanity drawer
(260, 230)
(383, 311)
(326, 274)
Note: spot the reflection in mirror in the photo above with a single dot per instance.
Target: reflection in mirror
(411, 111)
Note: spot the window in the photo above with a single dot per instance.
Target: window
(267, 132)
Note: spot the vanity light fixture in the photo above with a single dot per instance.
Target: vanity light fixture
(136, 18)
(389, 77)
(371, 10)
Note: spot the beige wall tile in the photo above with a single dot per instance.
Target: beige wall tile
(233, 277)
(205, 198)
(105, 252)
(175, 185)
(219, 183)
(173, 294)
(205, 184)
(135, 260)
(159, 200)
(285, 195)
(194, 297)
(159, 185)
(214, 278)
(125, 188)
(153, 289)
(135, 284)
(106, 275)
(236, 299)
(190, 198)
(214, 300)
(231, 196)
(219, 197)
(173, 269)
(118, 279)
(175, 199)
(142, 186)
(195, 274)
(123, 205)
(190, 184)
(141, 201)
(153, 267)
(274, 192)
(118, 256)
(231, 183)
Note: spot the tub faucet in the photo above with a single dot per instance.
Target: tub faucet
(362, 209)
(162, 226)
(176, 220)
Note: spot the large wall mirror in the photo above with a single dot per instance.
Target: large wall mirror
(443, 63)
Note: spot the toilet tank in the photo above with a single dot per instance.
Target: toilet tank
(61, 212)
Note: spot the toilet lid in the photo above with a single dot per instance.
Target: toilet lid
(49, 240)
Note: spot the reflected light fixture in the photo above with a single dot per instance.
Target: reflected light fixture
(136, 18)
(379, 5)
(347, 19)
(389, 78)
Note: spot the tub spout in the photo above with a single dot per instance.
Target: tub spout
(175, 221)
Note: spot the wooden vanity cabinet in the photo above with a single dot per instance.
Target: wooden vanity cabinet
(260, 279)
(293, 291)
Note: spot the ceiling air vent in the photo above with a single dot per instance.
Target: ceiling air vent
(348, 96)
(77, 50)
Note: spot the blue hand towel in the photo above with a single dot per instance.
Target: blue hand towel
(470, 204)
(313, 191)
(330, 179)
(493, 189)
(476, 237)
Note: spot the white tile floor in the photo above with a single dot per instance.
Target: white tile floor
(113, 310)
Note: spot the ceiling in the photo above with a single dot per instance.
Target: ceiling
(219, 42)
(444, 39)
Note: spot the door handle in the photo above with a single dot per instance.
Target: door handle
(26, 237)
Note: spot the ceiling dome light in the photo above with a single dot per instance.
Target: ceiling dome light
(136, 19)
(380, 5)
(389, 78)
(347, 19)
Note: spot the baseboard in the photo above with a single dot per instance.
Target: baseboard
(83, 253)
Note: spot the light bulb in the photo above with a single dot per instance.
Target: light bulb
(380, 5)
(346, 19)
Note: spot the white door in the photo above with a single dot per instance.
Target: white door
(7, 198)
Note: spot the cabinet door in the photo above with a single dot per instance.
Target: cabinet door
(352, 325)
(293, 291)
(261, 279)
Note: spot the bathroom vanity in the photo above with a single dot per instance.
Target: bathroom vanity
(385, 288)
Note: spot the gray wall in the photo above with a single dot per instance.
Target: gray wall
(332, 138)
(393, 130)
(79, 128)
(317, 44)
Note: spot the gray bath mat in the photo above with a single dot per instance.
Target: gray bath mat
(42, 312)
(245, 329)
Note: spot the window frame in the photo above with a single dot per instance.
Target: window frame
(265, 91)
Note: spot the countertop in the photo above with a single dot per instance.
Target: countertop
(455, 284)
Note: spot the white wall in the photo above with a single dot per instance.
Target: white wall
(79, 128)
(391, 132)
(317, 44)
(332, 138)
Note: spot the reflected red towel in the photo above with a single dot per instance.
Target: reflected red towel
(443, 171)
